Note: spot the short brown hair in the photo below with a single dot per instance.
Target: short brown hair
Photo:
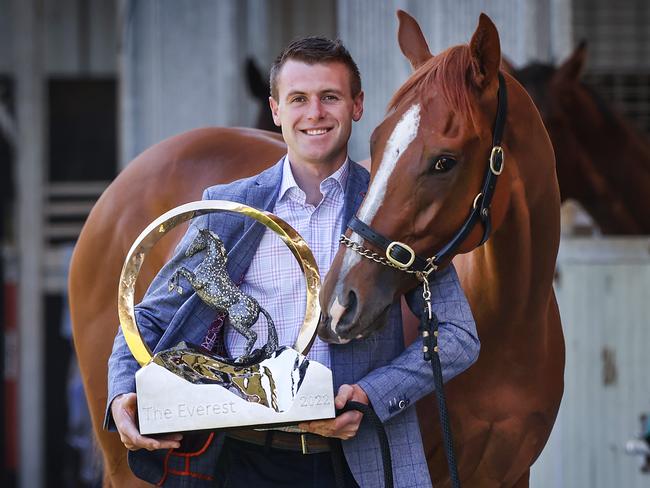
(312, 50)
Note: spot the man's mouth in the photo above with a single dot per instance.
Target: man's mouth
(316, 132)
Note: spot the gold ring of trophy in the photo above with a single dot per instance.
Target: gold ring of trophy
(166, 222)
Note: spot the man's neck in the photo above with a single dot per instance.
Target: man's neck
(309, 176)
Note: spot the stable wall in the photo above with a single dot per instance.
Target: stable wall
(602, 290)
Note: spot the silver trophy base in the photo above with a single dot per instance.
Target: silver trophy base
(285, 389)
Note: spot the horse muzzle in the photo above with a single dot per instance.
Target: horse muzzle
(342, 322)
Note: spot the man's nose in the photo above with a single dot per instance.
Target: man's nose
(316, 110)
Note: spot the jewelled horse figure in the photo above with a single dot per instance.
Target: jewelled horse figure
(212, 284)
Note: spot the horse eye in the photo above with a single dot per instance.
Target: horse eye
(443, 164)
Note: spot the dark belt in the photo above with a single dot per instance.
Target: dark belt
(277, 439)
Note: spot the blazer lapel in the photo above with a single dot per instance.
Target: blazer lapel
(261, 194)
(355, 191)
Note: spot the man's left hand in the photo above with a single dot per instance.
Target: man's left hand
(344, 426)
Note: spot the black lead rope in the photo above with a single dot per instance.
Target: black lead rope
(369, 415)
(429, 330)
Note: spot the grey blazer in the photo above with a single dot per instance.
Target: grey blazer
(393, 377)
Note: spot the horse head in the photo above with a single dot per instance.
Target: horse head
(602, 160)
(260, 89)
(429, 158)
(566, 105)
(199, 243)
(202, 240)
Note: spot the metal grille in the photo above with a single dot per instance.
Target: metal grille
(618, 40)
(629, 92)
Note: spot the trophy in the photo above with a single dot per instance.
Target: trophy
(188, 388)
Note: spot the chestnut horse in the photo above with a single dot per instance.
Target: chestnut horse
(429, 160)
(503, 408)
(603, 162)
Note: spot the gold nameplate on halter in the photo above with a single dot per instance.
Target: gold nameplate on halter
(395, 261)
(497, 150)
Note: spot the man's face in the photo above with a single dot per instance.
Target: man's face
(315, 109)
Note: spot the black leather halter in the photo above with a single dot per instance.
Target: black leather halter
(402, 256)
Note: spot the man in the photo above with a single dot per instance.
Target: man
(315, 96)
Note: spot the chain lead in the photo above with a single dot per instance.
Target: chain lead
(426, 295)
(377, 258)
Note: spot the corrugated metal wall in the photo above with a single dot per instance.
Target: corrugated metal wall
(529, 30)
(182, 62)
(172, 81)
(618, 44)
(602, 289)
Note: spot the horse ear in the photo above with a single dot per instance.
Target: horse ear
(257, 85)
(485, 50)
(507, 66)
(573, 67)
(411, 40)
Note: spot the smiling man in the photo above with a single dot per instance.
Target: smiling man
(315, 97)
(315, 104)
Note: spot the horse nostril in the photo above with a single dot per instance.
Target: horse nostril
(346, 320)
(351, 306)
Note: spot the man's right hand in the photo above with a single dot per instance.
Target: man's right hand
(124, 409)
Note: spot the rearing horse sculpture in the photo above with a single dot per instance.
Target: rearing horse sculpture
(504, 406)
(429, 160)
(212, 284)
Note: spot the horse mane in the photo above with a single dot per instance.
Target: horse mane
(451, 71)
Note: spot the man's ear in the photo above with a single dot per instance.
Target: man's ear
(274, 111)
(485, 50)
(411, 40)
(357, 110)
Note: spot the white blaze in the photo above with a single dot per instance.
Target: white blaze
(402, 136)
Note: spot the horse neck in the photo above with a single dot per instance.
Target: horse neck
(511, 275)
(212, 255)
(621, 157)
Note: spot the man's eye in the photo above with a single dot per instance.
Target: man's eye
(298, 99)
(442, 164)
(330, 98)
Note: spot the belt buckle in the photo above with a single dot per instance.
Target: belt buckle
(303, 443)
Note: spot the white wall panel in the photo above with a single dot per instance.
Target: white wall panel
(182, 61)
(7, 20)
(602, 291)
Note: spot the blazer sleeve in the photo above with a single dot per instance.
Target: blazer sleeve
(153, 316)
(407, 378)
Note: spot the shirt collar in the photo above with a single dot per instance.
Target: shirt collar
(338, 178)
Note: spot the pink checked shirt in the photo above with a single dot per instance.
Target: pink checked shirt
(274, 277)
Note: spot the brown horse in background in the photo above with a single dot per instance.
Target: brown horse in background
(603, 162)
(427, 172)
(503, 408)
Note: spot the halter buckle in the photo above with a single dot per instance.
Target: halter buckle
(406, 248)
(476, 200)
(497, 153)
